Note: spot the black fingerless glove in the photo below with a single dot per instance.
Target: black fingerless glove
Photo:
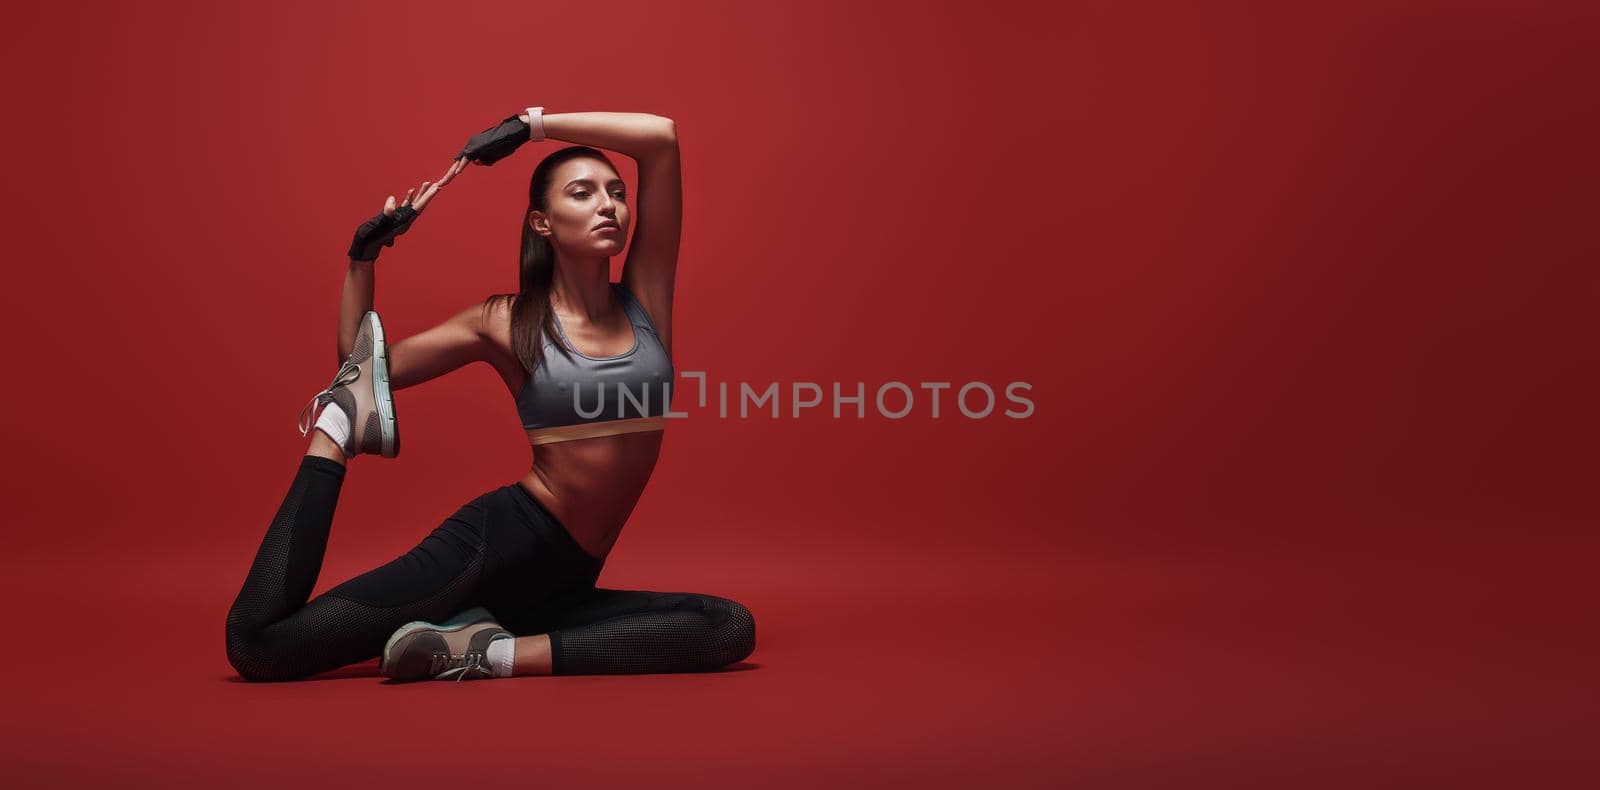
(379, 232)
(496, 142)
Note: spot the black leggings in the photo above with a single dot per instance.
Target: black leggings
(502, 551)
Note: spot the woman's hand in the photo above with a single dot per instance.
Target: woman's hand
(496, 142)
(381, 230)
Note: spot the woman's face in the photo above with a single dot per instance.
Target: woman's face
(588, 213)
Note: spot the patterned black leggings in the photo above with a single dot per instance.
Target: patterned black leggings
(502, 551)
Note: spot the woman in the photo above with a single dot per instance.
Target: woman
(506, 586)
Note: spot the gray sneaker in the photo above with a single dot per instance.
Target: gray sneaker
(456, 649)
(361, 390)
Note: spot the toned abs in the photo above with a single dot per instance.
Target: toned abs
(590, 485)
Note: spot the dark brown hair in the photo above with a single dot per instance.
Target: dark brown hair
(531, 316)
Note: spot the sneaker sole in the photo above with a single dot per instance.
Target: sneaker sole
(471, 616)
(382, 396)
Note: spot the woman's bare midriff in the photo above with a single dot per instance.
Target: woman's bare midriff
(591, 485)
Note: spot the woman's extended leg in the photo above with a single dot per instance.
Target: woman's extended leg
(601, 631)
(542, 586)
(274, 634)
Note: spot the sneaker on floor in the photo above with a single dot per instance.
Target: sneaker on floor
(361, 391)
(456, 649)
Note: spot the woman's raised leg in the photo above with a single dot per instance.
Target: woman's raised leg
(273, 633)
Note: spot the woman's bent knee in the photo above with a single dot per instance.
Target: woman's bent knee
(258, 658)
(249, 657)
(736, 633)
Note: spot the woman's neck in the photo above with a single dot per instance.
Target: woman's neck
(583, 289)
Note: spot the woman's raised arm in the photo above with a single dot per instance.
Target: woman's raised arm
(637, 134)
(650, 270)
(354, 302)
(373, 235)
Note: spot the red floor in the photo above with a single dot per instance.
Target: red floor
(922, 672)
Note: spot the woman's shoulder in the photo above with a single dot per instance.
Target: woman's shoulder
(501, 303)
(494, 317)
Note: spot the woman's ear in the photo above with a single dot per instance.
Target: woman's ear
(539, 223)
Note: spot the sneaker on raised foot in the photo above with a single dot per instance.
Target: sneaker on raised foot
(361, 391)
(456, 649)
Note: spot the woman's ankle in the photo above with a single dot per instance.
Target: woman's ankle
(532, 656)
(324, 447)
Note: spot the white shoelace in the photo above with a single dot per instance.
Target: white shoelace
(473, 666)
(348, 374)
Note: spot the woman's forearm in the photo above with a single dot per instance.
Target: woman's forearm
(633, 133)
(354, 303)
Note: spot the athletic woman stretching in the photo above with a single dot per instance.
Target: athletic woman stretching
(506, 586)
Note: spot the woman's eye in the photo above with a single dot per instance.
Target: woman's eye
(580, 194)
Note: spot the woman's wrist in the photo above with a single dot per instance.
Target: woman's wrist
(534, 118)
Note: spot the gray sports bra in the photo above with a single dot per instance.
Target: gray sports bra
(587, 396)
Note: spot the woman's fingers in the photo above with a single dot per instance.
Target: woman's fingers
(428, 191)
(418, 197)
(451, 171)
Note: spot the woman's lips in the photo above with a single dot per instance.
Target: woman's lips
(607, 227)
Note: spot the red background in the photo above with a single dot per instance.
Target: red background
(1306, 297)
